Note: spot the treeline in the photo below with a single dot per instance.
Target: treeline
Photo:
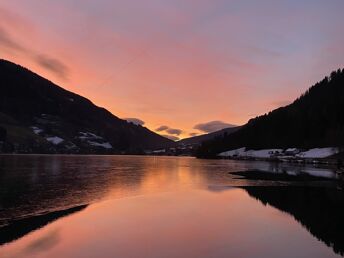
(316, 119)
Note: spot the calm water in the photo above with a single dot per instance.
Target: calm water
(115, 206)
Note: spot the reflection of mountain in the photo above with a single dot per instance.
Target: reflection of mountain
(31, 185)
(319, 210)
(19, 228)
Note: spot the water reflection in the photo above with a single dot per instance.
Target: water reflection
(19, 228)
(161, 207)
(319, 210)
(31, 185)
(186, 223)
(293, 169)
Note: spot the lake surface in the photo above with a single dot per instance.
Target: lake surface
(135, 206)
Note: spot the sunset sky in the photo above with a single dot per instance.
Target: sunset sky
(177, 65)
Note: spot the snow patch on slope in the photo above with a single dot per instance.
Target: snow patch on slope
(36, 130)
(105, 145)
(88, 135)
(54, 140)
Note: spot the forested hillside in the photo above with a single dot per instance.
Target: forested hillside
(316, 119)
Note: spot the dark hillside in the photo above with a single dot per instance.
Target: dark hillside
(316, 119)
(29, 101)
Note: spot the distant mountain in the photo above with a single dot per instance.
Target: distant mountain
(38, 116)
(316, 119)
(197, 140)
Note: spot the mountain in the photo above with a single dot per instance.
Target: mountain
(316, 119)
(38, 116)
(197, 140)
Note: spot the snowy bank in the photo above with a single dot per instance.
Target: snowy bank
(243, 153)
(318, 153)
(290, 153)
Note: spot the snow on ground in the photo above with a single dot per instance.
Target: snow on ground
(54, 140)
(233, 153)
(318, 153)
(70, 146)
(89, 136)
(280, 153)
(36, 130)
(159, 151)
(266, 153)
(105, 145)
(292, 151)
(242, 152)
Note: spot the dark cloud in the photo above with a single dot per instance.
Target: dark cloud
(172, 137)
(162, 128)
(171, 131)
(48, 63)
(212, 126)
(8, 42)
(174, 131)
(135, 121)
(53, 65)
(193, 134)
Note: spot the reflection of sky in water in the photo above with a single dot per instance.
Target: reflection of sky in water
(32, 184)
(148, 207)
(183, 223)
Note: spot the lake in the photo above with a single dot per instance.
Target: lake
(138, 206)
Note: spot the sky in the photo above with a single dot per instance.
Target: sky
(178, 67)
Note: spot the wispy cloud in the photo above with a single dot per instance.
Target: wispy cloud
(8, 42)
(180, 63)
(53, 65)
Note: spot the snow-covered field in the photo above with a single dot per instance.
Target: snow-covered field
(266, 153)
(243, 153)
(318, 153)
(233, 153)
(280, 153)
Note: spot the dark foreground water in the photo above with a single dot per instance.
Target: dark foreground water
(126, 206)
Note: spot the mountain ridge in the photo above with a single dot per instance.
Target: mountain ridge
(30, 102)
(198, 139)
